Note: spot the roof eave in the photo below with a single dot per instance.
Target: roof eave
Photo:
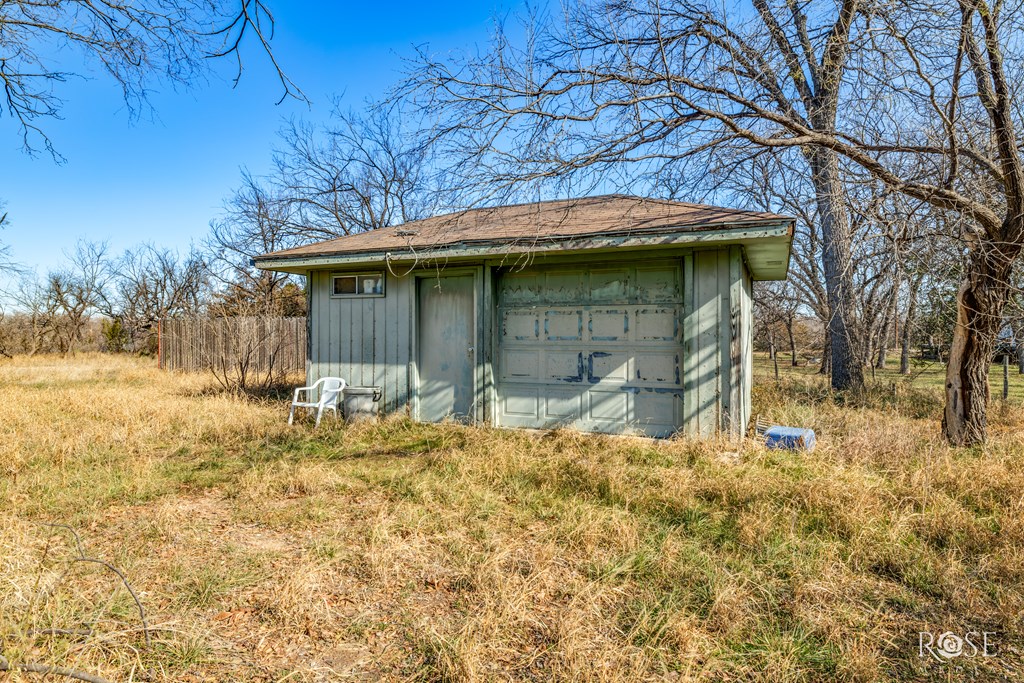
(778, 233)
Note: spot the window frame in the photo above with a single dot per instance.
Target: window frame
(360, 295)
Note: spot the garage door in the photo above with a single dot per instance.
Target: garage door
(596, 348)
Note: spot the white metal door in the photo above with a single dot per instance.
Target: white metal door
(595, 348)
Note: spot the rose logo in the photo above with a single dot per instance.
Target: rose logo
(950, 645)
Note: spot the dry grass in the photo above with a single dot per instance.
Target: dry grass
(444, 553)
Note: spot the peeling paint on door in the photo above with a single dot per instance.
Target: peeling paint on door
(605, 336)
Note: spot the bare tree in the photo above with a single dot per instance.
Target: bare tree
(30, 327)
(247, 354)
(878, 275)
(75, 292)
(358, 172)
(777, 308)
(955, 68)
(133, 42)
(256, 220)
(772, 181)
(148, 284)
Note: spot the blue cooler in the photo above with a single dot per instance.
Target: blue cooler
(791, 438)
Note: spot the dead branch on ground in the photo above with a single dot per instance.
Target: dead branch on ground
(47, 670)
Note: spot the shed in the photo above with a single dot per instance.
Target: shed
(614, 314)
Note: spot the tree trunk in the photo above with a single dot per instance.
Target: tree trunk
(826, 356)
(887, 321)
(979, 316)
(1018, 343)
(847, 371)
(868, 352)
(792, 340)
(908, 324)
(36, 338)
(1006, 376)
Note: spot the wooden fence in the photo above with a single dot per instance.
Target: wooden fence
(262, 345)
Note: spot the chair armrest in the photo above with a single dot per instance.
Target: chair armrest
(308, 389)
(338, 393)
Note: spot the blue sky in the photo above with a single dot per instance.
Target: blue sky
(162, 178)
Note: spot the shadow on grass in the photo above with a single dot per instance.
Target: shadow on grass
(278, 391)
(335, 440)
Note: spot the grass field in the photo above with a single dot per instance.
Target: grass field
(400, 551)
(924, 374)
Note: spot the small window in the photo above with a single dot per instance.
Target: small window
(358, 284)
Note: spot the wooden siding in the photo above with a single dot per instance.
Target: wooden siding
(364, 340)
(747, 341)
(716, 342)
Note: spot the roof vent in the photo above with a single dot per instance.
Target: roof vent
(406, 233)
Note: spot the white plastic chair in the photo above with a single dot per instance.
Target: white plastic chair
(330, 389)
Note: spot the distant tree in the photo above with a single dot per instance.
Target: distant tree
(776, 313)
(776, 182)
(133, 42)
(1016, 322)
(358, 171)
(233, 300)
(256, 220)
(31, 326)
(116, 337)
(909, 326)
(149, 283)
(75, 292)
